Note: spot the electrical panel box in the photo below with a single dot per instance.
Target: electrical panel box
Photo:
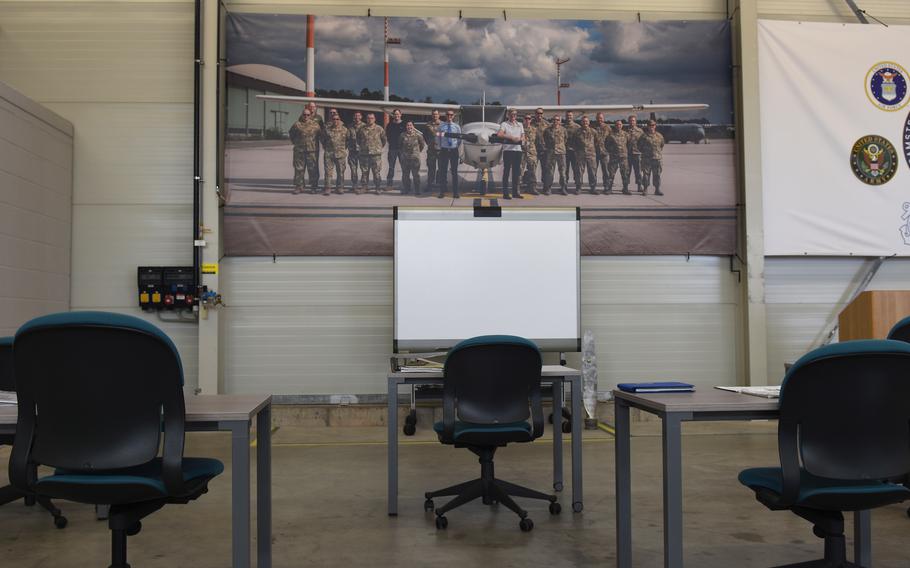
(167, 287)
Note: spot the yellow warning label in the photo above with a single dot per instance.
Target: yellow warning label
(210, 268)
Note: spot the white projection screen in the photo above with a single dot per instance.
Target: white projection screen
(460, 273)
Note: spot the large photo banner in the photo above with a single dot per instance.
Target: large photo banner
(835, 135)
(331, 122)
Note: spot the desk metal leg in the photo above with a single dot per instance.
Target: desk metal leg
(577, 429)
(672, 445)
(557, 434)
(392, 421)
(862, 538)
(240, 492)
(264, 487)
(623, 486)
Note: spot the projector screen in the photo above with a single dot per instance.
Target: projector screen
(459, 275)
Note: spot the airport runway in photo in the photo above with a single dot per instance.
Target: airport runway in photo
(697, 214)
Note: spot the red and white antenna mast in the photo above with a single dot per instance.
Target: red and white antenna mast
(560, 85)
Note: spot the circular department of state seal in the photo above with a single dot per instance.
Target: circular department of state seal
(873, 160)
(886, 86)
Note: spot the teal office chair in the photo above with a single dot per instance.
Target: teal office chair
(491, 386)
(10, 494)
(901, 332)
(96, 391)
(843, 439)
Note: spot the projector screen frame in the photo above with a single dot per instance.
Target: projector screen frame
(478, 212)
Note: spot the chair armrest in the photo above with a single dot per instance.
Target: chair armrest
(788, 449)
(22, 475)
(448, 412)
(537, 412)
(172, 455)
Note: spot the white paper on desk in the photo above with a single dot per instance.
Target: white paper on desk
(765, 392)
(7, 397)
(421, 369)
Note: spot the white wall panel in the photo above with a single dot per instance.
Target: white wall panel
(111, 241)
(319, 326)
(36, 149)
(132, 153)
(572, 9)
(102, 51)
(890, 11)
(805, 295)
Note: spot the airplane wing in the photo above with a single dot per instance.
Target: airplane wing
(612, 109)
(364, 105)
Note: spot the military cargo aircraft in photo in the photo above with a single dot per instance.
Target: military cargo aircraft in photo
(480, 123)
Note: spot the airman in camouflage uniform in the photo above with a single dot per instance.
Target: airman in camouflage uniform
(304, 135)
(336, 137)
(354, 150)
(372, 139)
(603, 130)
(555, 142)
(651, 145)
(586, 154)
(634, 153)
(571, 161)
(617, 145)
(410, 145)
(529, 157)
(429, 136)
(541, 124)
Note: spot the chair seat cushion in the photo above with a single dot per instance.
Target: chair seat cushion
(129, 485)
(824, 493)
(488, 434)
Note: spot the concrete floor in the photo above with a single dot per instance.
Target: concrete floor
(329, 509)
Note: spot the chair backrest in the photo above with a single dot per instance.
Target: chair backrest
(6, 364)
(845, 411)
(493, 378)
(901, 330)
(92, 387)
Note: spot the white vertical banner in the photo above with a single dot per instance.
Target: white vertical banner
(835, 138)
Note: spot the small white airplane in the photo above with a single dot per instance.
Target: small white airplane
(480, 146)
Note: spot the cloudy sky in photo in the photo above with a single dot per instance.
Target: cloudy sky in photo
(447, 58)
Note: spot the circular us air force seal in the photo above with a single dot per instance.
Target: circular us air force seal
(873, 160)
(886, 86)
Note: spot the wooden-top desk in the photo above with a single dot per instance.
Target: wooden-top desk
(230, 413)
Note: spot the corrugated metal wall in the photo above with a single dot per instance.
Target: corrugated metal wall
(36, 191)
(324, 325)
(890, 11)
(122, 73)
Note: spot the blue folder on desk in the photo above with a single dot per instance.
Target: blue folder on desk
(666, 386)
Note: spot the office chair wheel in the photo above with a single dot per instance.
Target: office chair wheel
(908, 512)
(555, 508)
(567, 427)
(577, 506)
(526, 525)
(557, 486)
(60, 521)
(428, 505)
(442, 523)
(409, 429)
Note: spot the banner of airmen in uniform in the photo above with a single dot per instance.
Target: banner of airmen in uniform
(631, 122)
(835, 128)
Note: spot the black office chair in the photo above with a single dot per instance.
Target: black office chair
(901, 332)
(9, 494)
(491, 387)
(843, 439)
(95, 392)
